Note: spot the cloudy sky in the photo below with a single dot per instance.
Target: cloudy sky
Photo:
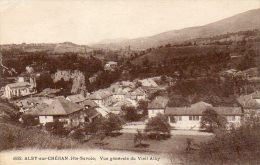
(90, 21)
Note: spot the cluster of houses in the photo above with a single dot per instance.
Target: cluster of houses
(76, 109)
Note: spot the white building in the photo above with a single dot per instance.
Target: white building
(189, 118)
(110, 66)
(18, 89)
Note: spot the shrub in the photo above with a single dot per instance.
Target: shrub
(210, 120)
(158, 127)
(29, 120)
(56, 128)
(13, 137)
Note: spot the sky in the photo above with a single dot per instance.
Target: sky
(91, 21)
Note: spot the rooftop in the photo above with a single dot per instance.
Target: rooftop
(76, 98)
(57, 107)
(186, 111)
(19, 85)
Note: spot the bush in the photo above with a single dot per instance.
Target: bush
(158, 127)
(29, 120)
(77, 134)
(210, 120)
(130, 113)
(56, 128)
(13, 137)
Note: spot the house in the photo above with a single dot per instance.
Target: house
(78, 98)
(188, 118)
(119, 95)
(149, 82)
(250, 104)
(62, 110)
(18, 89)
(110, 66)
(157, 106)
(102, 97)
(114, 110)
(138, 94)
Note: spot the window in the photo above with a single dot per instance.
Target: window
(231, 118)
(194, 118)
(178, 118)
(172, 119)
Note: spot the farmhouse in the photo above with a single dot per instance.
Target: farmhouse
(61, 110)
(189, 117)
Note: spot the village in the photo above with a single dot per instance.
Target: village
(139, 100)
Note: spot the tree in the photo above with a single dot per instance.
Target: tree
(143, 105)
(112, 123)
(247, 62)
(211, 120)
(158, 125)
(56, 128)
(130, 113)
(77, 134)
(139, 138)
(29, 120)
(237, 146)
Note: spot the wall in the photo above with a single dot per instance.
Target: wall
(45, 119)
(154, 112)
(194, 124)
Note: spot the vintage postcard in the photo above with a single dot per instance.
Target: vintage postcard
(145, 82)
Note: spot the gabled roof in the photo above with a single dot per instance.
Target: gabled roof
(138, 92)
(158, 103)
(89, 103)
(99, 95)
(201, 105)
(57, 107)
(76, 98)
(148, 82)
(19, 85)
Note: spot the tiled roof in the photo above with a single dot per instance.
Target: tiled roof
(76, 98)
(101, 94)
(90, 103)
(19, 85)
(57, 107)
(182, 111)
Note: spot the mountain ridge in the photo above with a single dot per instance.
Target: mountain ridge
(248, 20)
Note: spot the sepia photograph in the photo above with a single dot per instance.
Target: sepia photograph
(144, 82)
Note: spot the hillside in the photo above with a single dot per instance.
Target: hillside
(244, 21)
(15, 135)
(230, 43)
(52, 48)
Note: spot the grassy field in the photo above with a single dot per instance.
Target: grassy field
(176, 144)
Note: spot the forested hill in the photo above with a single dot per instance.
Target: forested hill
(244, 21)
